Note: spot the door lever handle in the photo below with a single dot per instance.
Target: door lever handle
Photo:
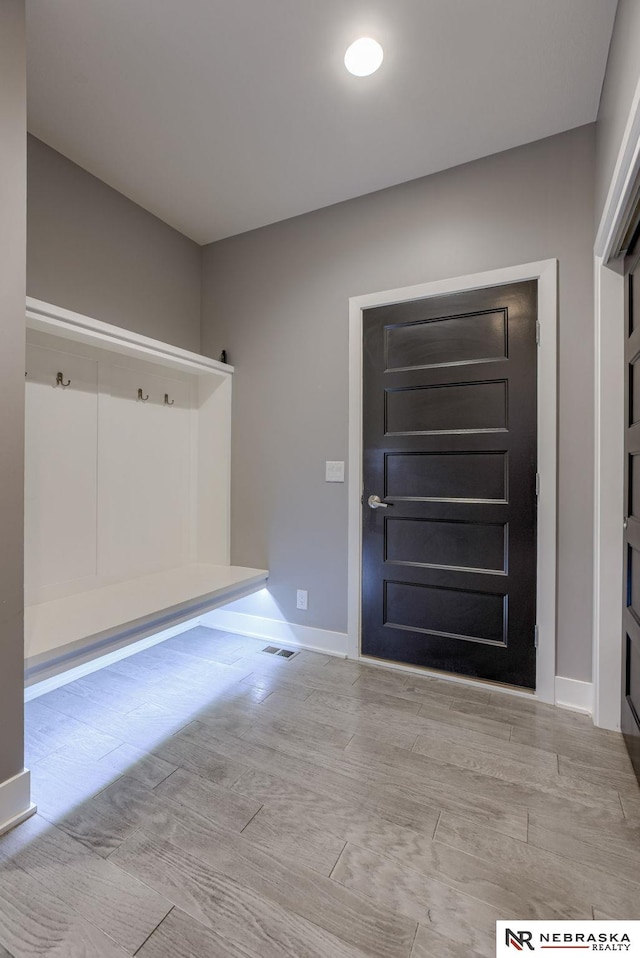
(375, 502)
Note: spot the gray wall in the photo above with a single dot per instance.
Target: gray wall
(13, 125)
(277, 299)
(92, 250)
(621, 80)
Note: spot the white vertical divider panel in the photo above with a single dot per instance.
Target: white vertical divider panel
(144, 506)
(214, 470)
(60, 471)
(194, 426)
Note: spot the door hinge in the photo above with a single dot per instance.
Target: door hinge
(537, 333)
(536, 634)
(537, 484)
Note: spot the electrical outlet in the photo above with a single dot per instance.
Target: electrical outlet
(302, 599)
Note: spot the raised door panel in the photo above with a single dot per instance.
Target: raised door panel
(60, 470)
(455, 340)
(453, 407)
(446, 476)
(144, 513)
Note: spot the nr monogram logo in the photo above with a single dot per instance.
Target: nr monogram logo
(518, 939)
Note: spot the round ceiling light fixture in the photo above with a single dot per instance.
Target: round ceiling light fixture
(363, 57)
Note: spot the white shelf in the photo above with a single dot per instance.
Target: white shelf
(63, 631)
(54, 320)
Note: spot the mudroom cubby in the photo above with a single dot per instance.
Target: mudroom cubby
(127, 488)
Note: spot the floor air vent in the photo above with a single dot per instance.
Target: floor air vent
(283, 653)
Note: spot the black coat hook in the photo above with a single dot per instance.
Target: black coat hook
(141, 397)
(166, 400)
(60, 381)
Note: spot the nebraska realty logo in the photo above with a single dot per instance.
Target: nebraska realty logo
(562, 937)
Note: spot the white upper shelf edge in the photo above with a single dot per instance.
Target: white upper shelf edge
(74, 326)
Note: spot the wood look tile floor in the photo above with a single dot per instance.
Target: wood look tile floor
(203, 799)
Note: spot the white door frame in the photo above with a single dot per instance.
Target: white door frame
(609, 506)
(546, 273)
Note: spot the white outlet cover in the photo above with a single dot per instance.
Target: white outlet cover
(302, 599)
(334, 471)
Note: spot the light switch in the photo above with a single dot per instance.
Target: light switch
(334, 472)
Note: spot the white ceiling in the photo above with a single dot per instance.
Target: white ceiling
(220, 116)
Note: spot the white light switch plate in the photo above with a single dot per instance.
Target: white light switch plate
(334, 472)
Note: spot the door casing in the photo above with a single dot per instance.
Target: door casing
(546, 274)
(609, 412)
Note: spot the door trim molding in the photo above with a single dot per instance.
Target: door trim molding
(608, 496)
(620, 197)
(546, 273)
(609, 439)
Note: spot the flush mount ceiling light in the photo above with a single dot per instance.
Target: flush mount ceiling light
(363, 57)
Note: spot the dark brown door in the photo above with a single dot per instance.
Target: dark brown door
(449, 447)
(631, 614)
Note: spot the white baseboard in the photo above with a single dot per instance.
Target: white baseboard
(574, 695)
(569, 693)
(15, 801)
(284, 633)
(93, 665)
